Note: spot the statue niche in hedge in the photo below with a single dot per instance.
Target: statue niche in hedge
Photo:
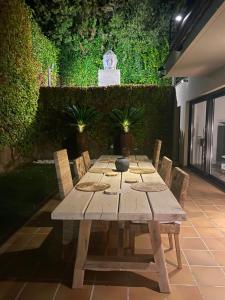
(127, 120)
(82, 117)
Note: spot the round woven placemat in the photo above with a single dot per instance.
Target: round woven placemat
(149, 187)
(92, 186)
(142, 170)
(100, 170)
(112, 173)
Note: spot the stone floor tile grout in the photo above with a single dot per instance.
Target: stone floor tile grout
(21, 290)
(56, 291)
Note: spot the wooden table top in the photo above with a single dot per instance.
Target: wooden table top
(129, 205)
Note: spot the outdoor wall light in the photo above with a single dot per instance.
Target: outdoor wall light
(178, 18)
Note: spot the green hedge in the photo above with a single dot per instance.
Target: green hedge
(158, 103)
(18, 77)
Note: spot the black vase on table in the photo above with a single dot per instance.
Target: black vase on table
(122, 164)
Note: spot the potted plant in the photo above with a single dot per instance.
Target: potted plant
(127, 120)
(82, 117)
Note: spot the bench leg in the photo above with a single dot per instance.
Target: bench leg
(82, 250)
(154, 230)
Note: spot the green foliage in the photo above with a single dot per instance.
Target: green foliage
(18, 77)
(157, 103)
(82, 116)
(46, 55)
(137, 31)
(127, 118)
(81, 62)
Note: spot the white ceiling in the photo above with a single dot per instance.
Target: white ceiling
(206, 53)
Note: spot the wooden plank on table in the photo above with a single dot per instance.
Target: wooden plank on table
(164, 205)
(103, 206)
(134, 205)
(75, 203)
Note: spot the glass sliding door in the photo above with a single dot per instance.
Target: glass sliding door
(207, 137)
(198, 135)
(217, 163)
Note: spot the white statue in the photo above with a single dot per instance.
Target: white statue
(110, 75)
(109, 60)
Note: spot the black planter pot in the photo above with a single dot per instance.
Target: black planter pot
(126, 142)
(81, 142)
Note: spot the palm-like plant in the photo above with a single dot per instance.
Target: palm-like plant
(127, 118)
(82, 116)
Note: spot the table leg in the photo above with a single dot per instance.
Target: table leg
(154, 230)
(82, 250)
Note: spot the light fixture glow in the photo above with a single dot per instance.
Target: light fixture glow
(178, 18)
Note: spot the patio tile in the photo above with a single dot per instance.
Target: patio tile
(180, 276)
(209, 292)
(200, 258)
(221, 208)
(203, 222)
(66, 293)
(209, 276)
(177, 293)
(219, 221)
(10, 289)
(208, 207)
(210, 232)
(109, 292)
(215, 214)
(215, 243)
(192, 243)
(195, 214)
(219, 257)
(38, 290)
(171, 258)
(188, 232)
(142, 241)
(142, 293)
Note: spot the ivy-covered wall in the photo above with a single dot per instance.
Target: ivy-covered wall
(54, 132)
(46, 55)
(25, 54)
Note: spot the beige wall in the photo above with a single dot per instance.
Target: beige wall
(194, 88)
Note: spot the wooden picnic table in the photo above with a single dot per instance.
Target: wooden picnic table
(130, 205)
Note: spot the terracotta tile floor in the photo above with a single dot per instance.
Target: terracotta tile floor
(32, 265)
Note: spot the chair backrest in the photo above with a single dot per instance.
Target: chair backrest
(79, 167)
(179, 185)
(87, 160)
(156, 153)
(63, 172)
(165, 169)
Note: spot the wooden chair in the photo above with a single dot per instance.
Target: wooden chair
(65, 183)
(87, 160)
(63, 172)
(79, 167)
(156, 153)
(165, 169)
(179, 186)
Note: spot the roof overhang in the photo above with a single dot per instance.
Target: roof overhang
(205, 53)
